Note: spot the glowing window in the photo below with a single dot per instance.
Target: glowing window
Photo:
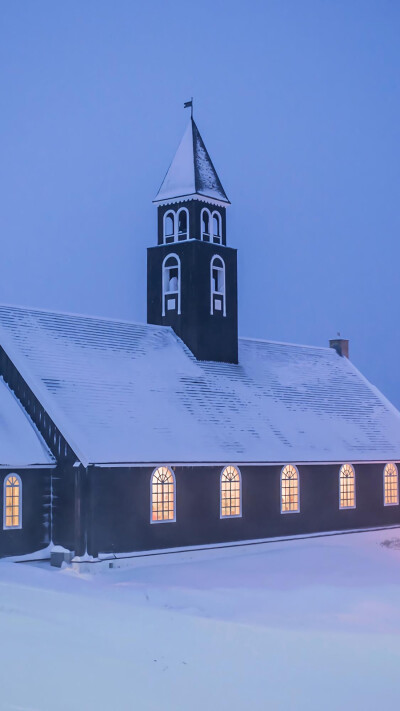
(171, 284)
(231, 499)
(162, 495)
(205, 225)
(218, 302)
(391, 484)
(347, 487)
(183, 232)
(169, 227)
(290, 494)
(12, 502)
(216, 222)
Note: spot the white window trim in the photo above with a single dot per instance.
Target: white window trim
(6, 478)
(212, 292)
(345, 508)
(165, 520)
(182, 209)
(397, 472)
(166, 214)
(216, 214)
(294, 511)
(164, 293)
(209, 234)
(239, 515)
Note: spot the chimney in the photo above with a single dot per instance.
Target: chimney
(341, 345)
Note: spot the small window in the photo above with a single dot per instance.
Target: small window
(162, 495)
(12, 517)
(290, 494)
(205, 225)
(169, 227)
(171, 284)
(347, 487)
(183, 221)
(390, 485)
(231, 492)
(218, 299)
(216, 221)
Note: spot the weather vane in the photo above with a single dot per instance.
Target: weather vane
(188, 104)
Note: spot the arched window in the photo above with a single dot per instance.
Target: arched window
(231, 492)
(290, 490)
(169, 227)
(205, 225)
(347, 487)
(162, 495)
(390, 485)
(12, 515)
(217, 231)
(218, 300)
(171, 284)
(183, 224)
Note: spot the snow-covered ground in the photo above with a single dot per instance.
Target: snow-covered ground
(309, 624)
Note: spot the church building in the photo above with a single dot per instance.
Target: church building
(118, 438)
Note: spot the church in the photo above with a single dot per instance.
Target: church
(120, 439)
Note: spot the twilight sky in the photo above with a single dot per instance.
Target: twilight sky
(298, 102)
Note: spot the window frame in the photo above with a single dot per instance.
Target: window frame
(171, 471)
(218, 237)
(202, 233)
(344, 508)
(218, 293)
(174, 221)
(163, 283)
(6, 478)
(240, 514)
(396, 503)
(291, 511)
(182, 209)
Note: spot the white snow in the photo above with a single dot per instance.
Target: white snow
(120, 392)
(312, 624)
(20, 443)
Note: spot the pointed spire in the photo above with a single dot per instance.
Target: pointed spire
(191, 171)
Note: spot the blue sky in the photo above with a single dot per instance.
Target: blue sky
(298, 103)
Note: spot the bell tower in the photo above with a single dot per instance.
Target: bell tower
(192, 273)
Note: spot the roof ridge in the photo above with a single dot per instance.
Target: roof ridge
(285, 343)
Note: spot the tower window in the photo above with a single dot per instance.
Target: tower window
(217, 231)
(205, 225)
(169, 227)
(171, 284)
(218, 301)
(290, 490)
(183, 221)
(12, 516)
(347, 487)
(390, 485)
(231, 492)
(162, 495)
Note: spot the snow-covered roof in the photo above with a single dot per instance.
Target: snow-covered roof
(129, 393)
(20, 443)
(191, 171)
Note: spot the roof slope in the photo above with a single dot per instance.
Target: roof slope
(20, 444)
(122, 392)
(191, 171)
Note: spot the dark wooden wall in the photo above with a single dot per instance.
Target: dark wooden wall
(120, 505)
(36, 513)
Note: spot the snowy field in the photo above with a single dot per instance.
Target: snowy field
(309, 624)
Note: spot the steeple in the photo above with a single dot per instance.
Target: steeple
(191, 172)
(191, 273)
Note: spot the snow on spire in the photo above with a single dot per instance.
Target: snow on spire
(191, 171)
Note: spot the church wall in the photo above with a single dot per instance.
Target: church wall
(121, 507)
(64, 502)
(36, 502)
